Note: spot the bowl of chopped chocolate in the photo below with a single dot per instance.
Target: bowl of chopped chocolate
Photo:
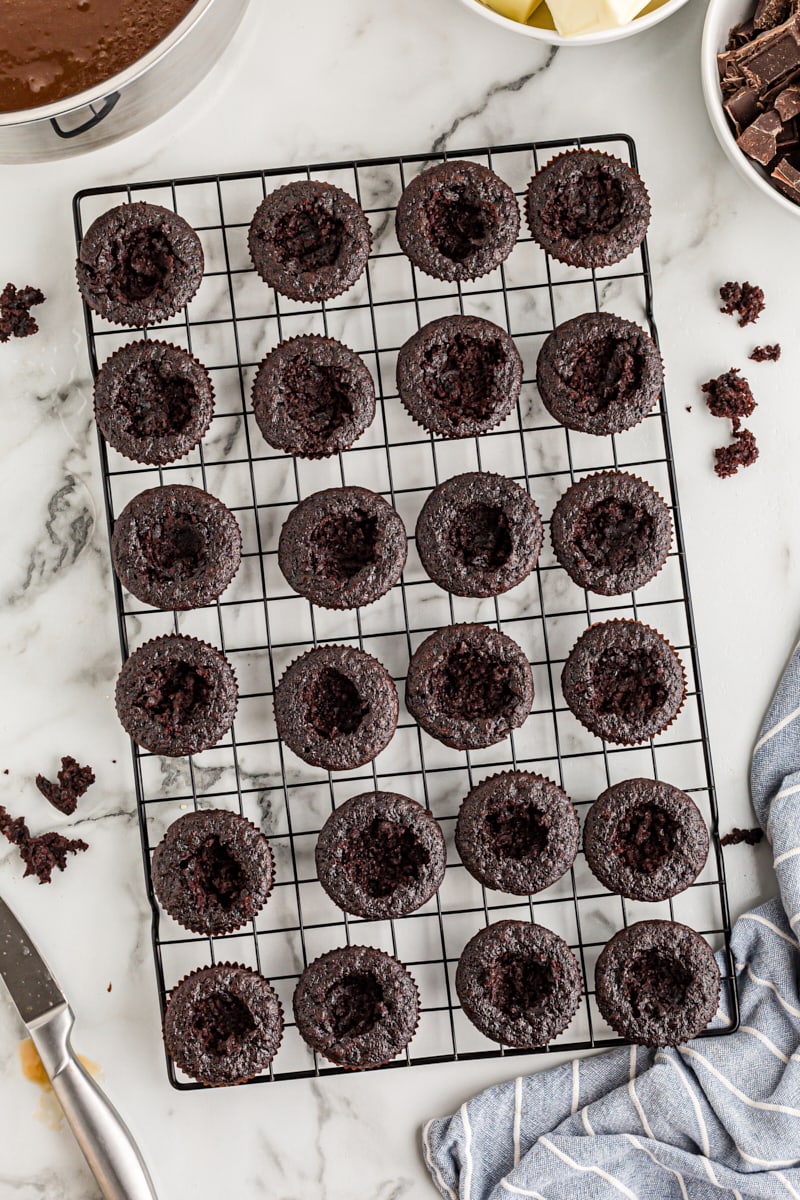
(751, 85)
(76, 74)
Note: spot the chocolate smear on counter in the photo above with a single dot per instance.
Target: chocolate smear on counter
(73, 781)
(42, 854)
(750, 837)
(15, 317)
(742, 452)
(766, 353)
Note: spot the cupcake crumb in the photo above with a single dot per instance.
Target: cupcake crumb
(766, 353)
(745, 299)
(729, 396)
(750, 837)
(15, 306)
(73, 781)
(742, 452)
(41, 854)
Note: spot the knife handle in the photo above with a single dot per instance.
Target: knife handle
(102, 1135)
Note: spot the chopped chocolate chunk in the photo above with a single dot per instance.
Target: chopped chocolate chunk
(746, 299)
(787, 103)
(760, 139)
(770, 13)
(766, 353)
(740, 35)
(15, 317)
(42, 854)
(787, 179)
(742, 108)
(742, 452)
(729, 396)
(773, 58)
(73, 781)
(751, 837)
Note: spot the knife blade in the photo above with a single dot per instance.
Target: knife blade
(102, 1135)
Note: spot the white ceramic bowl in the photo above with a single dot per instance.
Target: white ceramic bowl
(657, 10)
(720, 17)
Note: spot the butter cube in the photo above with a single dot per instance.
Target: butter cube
(572, 17)
(517, 10)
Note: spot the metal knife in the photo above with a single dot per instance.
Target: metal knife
(101, 1133)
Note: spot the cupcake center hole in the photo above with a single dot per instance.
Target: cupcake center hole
(606, 371)
(174, 547)
(222, 1023)
(629, 683)
(333, 704)
(212, 875)
(458, 223)
(385, 857)
(518, 984)
(172, 693)
(317, 398)
(156, 404)
(460, 375)
(481, 537)
(355, 1005)
(473, 685)
(614, 534)
(657, 984)
(591, 202)
(646, 838)
(147, 263)
(517, 831)
(308, 235)
(344, 544)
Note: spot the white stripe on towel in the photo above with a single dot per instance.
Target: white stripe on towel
(517, 1116)
(784, 721)
(576, 1086)
(771, 924)
(576, 1166)
(520, 1191)
(635, 1142)
(782, 859)
(434, 1166)
(635, 1099)
(786, 1184)
(762, 1037)
(467, 1151)
(764, 1105)
(697, 1111)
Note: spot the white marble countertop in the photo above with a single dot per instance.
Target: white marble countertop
(312, 83)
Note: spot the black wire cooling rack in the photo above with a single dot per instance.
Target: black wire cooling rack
(261, 625)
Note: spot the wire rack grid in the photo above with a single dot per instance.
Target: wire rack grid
(261, 625)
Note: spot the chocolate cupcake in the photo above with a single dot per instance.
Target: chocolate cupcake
(657, 983)
(312, 396)
(153, 402)
(223, 1024)
(336, 707)
(623, 681)
(176, 695)
(357, 1006)
(599, 374)
(176, 547)
(457, 220)
(212, 871)
(380, 855)
(138, 264)
(309, 240)
(519, 984)
(517, 832)
(611, 532)
(459, 376)
(645, 839)
(469, 686)
(343, 547)
(479, 534)
(587, 209)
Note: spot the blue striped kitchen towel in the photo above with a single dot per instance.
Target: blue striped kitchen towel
(716, 1117)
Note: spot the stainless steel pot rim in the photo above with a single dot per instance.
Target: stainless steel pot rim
(96, 95)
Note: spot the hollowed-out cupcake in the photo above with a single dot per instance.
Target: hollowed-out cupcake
(459, 376)
(657, 983)
(312, 397)
(343, 547)
(469, 686)
(223, 1024)
(517, 832)
(587, 209)
(623, 681)
(138, 264)
(153, 402)
(479, 534)
(212, 871)
(336, 707)
(176, 695)
(611, 532)
(380, 855)
(309, 240)
(519, 984)
(357, 1006)
(176, 547)
(645, 839)
(599, 374)
(457, 220)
